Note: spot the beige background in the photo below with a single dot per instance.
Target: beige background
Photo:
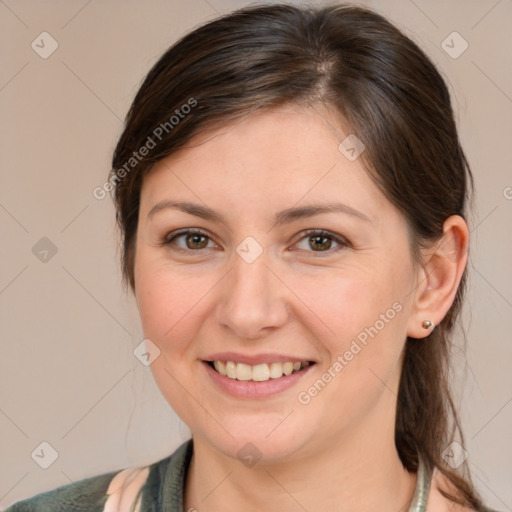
(68, 375)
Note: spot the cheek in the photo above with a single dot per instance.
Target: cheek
(169, 306)
(346, 303)
(163, 300)
(173, 302)
(365, 316)
(362, 356)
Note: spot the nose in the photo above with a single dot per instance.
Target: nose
(253, 300)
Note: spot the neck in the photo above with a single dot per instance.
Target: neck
(362, 471)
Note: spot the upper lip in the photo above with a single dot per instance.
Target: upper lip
(253, 360)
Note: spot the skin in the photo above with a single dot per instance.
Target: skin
(293, 299)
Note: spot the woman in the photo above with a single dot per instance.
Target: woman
(291, 193)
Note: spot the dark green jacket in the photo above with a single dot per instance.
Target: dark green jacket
(162, 492)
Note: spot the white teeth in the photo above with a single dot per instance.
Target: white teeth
(243, 372)
(231, 370)
(276, 370)
(220, 367)
(287, 368)
(259, 372)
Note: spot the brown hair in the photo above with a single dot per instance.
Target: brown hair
(392, 97)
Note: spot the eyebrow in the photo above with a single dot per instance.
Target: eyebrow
(282, 217)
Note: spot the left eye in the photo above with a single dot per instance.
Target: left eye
(318, 241)
(322, 240)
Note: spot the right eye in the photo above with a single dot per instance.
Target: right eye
(194, 240)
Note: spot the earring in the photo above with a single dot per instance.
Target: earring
(427, 324)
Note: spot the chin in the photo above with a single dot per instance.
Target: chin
(250, 441)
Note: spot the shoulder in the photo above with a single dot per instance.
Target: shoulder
(437, 502)
(109, 492)
(116, 491)
(89, 494)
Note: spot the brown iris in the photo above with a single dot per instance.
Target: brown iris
(325, 245)
(195, 237)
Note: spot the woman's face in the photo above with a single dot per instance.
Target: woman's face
(256, 288)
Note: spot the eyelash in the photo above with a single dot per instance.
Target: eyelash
(343, 243)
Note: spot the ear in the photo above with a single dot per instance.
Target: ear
(439, 276)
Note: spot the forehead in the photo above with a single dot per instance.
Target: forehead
(272, 159)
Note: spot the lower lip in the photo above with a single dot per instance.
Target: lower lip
(252, 389)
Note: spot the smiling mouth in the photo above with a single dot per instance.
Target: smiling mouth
(260, 372)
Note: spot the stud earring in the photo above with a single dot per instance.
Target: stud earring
(427, 324)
